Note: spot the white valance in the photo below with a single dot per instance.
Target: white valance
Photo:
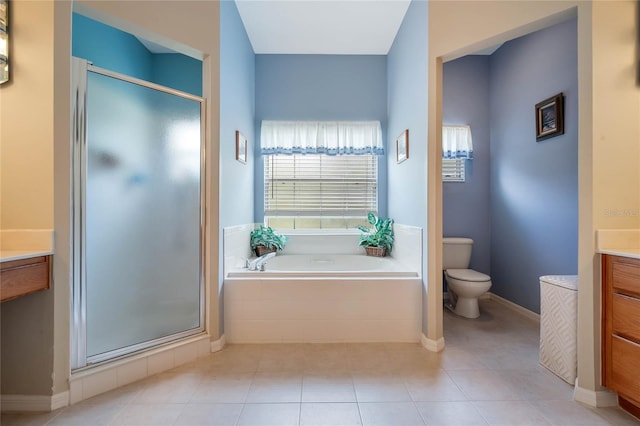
(456, 142)
(321, 137)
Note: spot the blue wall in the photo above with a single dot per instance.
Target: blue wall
(534, 185)
(319, 87)
(112, 49)
(109, 48)
(407, 108)
(178, 72)
(237, 110)
(532, 197)
(465, 206)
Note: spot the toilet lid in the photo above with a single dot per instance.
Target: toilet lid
(468, 275)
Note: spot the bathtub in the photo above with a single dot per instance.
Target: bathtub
(310, 266)
(323, 298)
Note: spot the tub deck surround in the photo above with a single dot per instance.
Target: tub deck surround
(322, 288)
(407, 250)
(329, 266)
(264, 310)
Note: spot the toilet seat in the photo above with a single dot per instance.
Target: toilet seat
(467, 275)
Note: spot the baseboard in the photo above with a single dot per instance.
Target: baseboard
(26, 403)
(602, 398)
(629, 407)
(59, 400)
(218, 345)
(432, 345)
(515, 307)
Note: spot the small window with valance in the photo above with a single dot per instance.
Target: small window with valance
(457, 147)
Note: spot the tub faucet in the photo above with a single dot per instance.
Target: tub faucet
(258, 263)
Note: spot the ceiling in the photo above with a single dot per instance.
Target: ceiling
(346, 27)
(338, 27)
(154, 47)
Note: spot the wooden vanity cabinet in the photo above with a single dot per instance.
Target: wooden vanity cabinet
(24, 276)
(621, 329)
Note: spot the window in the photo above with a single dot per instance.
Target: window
(319, 191)
(457, 146)
(453, 169)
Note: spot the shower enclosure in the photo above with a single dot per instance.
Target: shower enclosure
(138, 185)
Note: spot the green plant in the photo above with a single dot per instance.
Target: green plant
(266, 236)
(381, 235)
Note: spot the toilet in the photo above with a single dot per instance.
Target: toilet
(465, 285)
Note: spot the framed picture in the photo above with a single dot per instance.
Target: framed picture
(4, 41)
(402, 147)
(550, 117)
(241, 147)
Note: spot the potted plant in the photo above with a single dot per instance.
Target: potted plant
(377, 241)
(265, 240)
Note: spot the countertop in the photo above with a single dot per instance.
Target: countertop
(7, 255)
(626, 252)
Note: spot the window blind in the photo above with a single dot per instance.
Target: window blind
(453, 170)
(320, 185)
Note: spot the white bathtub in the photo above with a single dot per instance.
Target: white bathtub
(323, 298)
(306, 295)
(310, 266)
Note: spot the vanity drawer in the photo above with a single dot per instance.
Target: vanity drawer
(22, 277)
(626, 317)
(625, 275)
(625, 368)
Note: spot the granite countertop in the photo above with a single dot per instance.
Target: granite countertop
(7, 255)
(624, 252)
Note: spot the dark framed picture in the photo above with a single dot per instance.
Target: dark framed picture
(402, 147)
(241, 147)
(4, 41)
(550, 117)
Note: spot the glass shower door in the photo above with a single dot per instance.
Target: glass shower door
(138, 241)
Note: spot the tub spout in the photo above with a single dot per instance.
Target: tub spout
(258, 263)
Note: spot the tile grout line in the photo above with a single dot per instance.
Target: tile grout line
(300, 399)
(473, 404)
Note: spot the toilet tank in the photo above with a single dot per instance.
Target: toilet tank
(456, 253)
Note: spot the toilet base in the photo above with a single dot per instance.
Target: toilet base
(467, 307)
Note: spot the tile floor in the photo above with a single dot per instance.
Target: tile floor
(487, 375)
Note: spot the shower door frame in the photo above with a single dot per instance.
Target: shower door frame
(79, 359)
